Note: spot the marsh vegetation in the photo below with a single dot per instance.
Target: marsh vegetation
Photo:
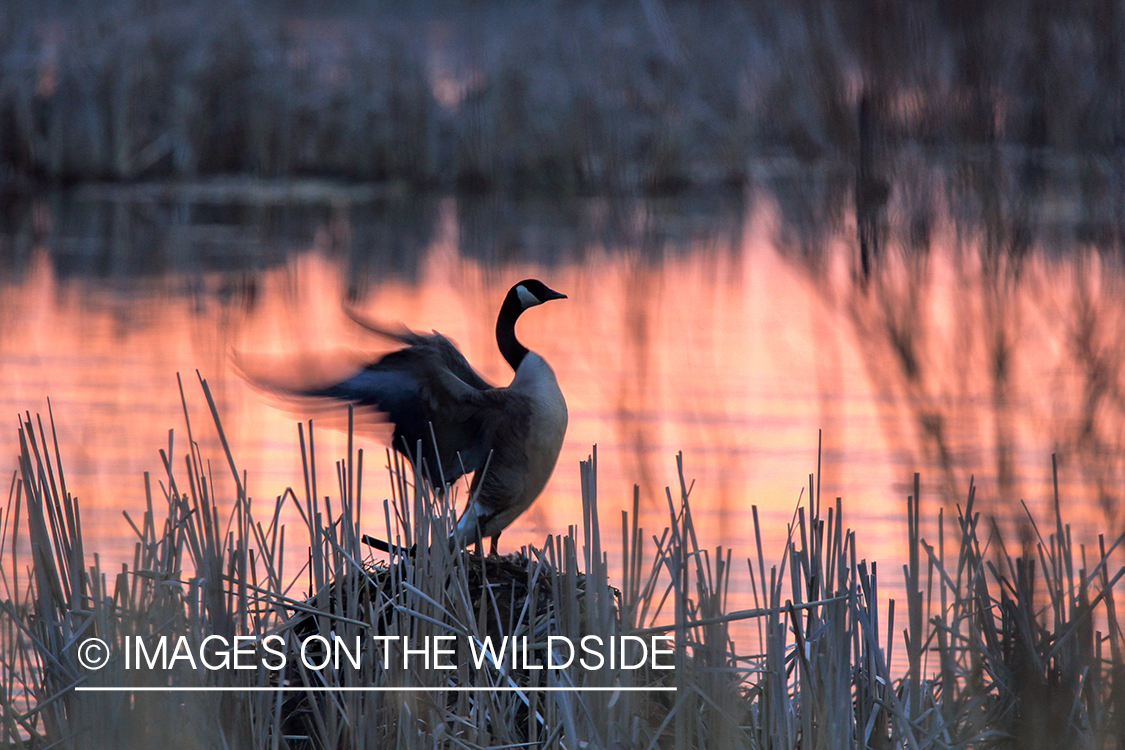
(543, 96)
(991, 648)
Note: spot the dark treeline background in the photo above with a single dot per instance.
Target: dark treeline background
(549, 96)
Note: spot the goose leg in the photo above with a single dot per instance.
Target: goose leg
(492, 548)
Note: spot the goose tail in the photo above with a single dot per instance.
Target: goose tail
(385, 546)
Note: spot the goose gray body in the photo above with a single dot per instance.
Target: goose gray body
(517, 431)
(525, 451)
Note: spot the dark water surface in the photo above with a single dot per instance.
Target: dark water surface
(987, 334)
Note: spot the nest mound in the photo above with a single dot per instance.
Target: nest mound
(509, 595)
(463, 595)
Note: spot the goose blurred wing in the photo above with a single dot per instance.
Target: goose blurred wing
(416, 389)
(433, 346)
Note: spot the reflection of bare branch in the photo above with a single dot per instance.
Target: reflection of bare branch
(1097, 433)
(634, 394)
(957, 337)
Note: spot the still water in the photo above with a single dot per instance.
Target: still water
(731, 327)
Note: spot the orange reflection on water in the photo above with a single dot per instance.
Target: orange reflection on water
(736, 359)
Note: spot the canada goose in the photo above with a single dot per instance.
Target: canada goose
(510, 437)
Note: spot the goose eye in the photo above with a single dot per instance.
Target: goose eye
(527, 299)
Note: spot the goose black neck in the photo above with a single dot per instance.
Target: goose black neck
(510, 347)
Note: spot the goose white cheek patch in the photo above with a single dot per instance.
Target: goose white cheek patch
(527, 298)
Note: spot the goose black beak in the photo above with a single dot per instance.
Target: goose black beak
(552, 294)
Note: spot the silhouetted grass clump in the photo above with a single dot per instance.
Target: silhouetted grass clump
(1001, 650)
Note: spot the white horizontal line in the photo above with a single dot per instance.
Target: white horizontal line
(367, 689)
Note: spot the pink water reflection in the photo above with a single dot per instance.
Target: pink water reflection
(736, 359)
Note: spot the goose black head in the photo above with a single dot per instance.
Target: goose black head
(523, 295)
(532, 292)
